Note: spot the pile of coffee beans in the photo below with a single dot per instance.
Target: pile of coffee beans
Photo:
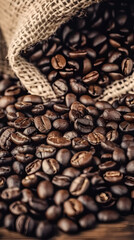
(69, 165)
(88, 53)
(66, 165)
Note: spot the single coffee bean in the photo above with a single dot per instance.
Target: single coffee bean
(73, 207)
(60, 87)
(30, 180)
(58, 142)
(63, 156)
(83, 125)
(50, 166)
(42, 123)
(53, 213)
(18, 208)
(95, 138)
(61, 124)
(112, 115)
(119, 190)
(81, 159)
(130, 152)
(108, 216)
(95, 90)
(129, 181)
(124, 204)
(5, 171)
(9, 222)
(45, 189)
(87, 221)
(38, 204)
(14, 181)
(11, 194)
(91, 77)
(127, 66)
(58, 62)
(19, 139)
(33, 166)
(26, 195)
(61, 181)
(130, 167)
(103, 198)
(79, 186)
(110, 67)
(18, 168)
(79, 143)
(108, 165)
(61, 196)
(129, 117)
(44, 229)
(45, 151)
(71, 172)
(66, 225)
(113, 176)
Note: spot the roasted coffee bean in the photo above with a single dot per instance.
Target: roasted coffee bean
(45, 189)
(22, 106)
(2, 183)
(32, 98)
(70, 98)
(63, 156)
(18, 168)
(6, 100)
(66, 225)
(108, 146)
(14, 181)
(88, 203)
(130, 167)
(53, 213)
(127, 66)
(42, 123)
(9, 222)
(91, 77)
(124, 204)
(108, 165)
(61, 196)
(95, 138)
(103, 198)
(71, 172)
(19, 139)
(113, 176)
(87, 221)
(26, 195)
(5, 138)
(102, 105)
(81, 159)
(130, 152)
(79, 186)
(22, 122)
(24, 158)
(79, 143)
(70, 135)
(126, 126)
(38, 137)
(50, 166)
(95, 90)
(108, 216)
(61, 181)
(58, 142)
(44, 229)
(18, 208)
(129, 181)
(58, 62)
(112, 136)
(51, 115)
(45, 151)
(77, 87)
(119, 190)
(38, 204)
(33, 166)
(83, 125)
(5, 171)
(61, 124)
(129, 117)
(73, 207)
(112, 115)
(60, 87)
(30, 180)
(86, 100)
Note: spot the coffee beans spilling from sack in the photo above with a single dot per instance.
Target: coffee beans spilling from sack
(67, 165)
(70, 165)
(88, 53)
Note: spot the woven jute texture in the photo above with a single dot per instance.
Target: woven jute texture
(26, 22)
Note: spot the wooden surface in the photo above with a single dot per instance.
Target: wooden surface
(123, 230)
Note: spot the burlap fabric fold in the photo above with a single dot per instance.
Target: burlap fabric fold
(26, 22)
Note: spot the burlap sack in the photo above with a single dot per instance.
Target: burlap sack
(26, 22)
